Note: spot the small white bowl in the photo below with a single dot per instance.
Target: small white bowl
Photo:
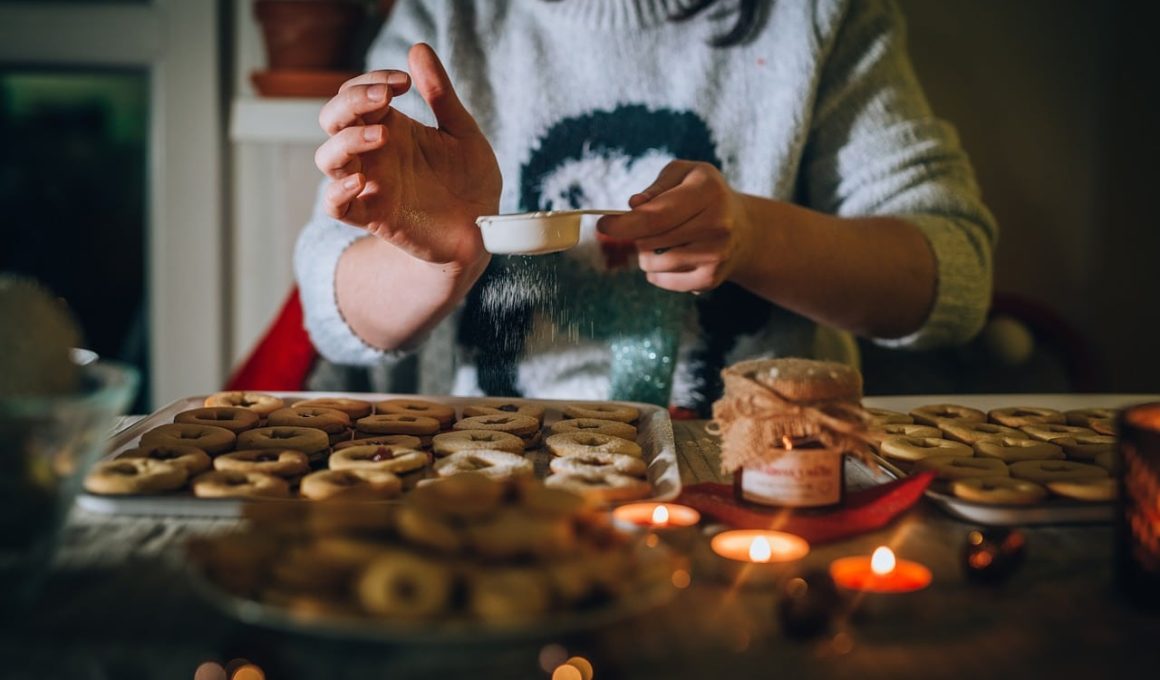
(535, 233)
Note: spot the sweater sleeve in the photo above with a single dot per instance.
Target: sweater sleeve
(876, 149)
(324, 239)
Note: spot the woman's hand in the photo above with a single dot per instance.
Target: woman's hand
(416, 187)
(690, 228)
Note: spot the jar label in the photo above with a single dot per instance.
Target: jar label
(805, 479)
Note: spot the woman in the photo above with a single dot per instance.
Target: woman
(780, 162)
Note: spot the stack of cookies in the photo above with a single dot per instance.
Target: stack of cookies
(463, 548)
(241, 444)
(1018, 455)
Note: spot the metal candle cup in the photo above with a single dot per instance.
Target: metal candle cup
(675, 524)
(881, 585)
(756, 557)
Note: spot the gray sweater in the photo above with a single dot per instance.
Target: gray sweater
(584, 101)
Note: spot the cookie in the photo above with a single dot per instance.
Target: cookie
(574, 443)
(135, 476)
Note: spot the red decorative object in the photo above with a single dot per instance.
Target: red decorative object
(864, 510)
(282, 358)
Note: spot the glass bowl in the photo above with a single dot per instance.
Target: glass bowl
(46, 445)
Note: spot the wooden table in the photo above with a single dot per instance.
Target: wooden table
(117, 605)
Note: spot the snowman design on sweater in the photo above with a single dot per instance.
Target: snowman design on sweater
(595, 291)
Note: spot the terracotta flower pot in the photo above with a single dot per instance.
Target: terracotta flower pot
(308, 34)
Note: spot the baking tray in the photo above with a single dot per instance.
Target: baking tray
(1053, 511)
(654, 434)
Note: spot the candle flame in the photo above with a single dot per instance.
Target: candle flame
(882, 561)
(660, 515)
(787, 442)
(760, 550)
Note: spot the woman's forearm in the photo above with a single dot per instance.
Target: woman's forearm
(873, 276)
(392, 300)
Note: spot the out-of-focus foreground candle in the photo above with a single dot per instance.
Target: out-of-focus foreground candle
(657, 515)
(1138, 522)
(879, 573)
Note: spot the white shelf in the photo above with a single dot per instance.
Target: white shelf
(277, 121)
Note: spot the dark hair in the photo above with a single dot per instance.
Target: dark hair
(746, 19)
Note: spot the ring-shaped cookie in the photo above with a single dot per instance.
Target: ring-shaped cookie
(134, 476)
(523, 427)
(262, 404)
(971, 432)
(446, 443)
(233, 418)
(574, 443)
(328, 420)
(417, 407)
(353, 408)
(1051, 432)
(908, 430)
(213, 440)
(598, 425)
(493, 408)
(934, 414)
(393, 459)
(194, 460)
(1094, 489)
(604, 411)
(308, 440)
(958, 467)
(1044, 471)
(1082, 417)
(403, 585)
(883, 416)
(368, 485)
(1103, 426)
(900, 447)
(237, 484)
(598, 462)
(277, 462)
(464, 497)
(601, 489)
(1018, 416)
(513, 533)
(998, 490)
(403, 441)
(487, 462)
(1015, 449)
(397, 423)
(1086, 447)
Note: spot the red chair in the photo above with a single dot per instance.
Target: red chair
(283, 357)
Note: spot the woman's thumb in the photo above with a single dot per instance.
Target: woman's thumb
(435, 87)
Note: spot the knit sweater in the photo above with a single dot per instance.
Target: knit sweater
(584, 101)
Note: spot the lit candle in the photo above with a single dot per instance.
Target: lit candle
(754, 558)
(656, 515)
(759, 547)
(879, 573)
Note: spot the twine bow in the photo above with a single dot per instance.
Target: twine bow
(754, 420)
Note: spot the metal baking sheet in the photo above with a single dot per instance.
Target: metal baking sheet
(654, 434)
(1052, 511)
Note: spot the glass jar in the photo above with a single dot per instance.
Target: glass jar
(806, 474)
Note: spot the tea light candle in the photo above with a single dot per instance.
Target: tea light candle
(759, 547)
(753, 558)
(879, 573)
(656, 515)
(879, 582)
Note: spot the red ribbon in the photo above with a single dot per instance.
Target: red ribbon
(864, 510)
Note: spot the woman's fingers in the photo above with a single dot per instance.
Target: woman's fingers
(365, 99)
(341, 199)
(337, 157)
